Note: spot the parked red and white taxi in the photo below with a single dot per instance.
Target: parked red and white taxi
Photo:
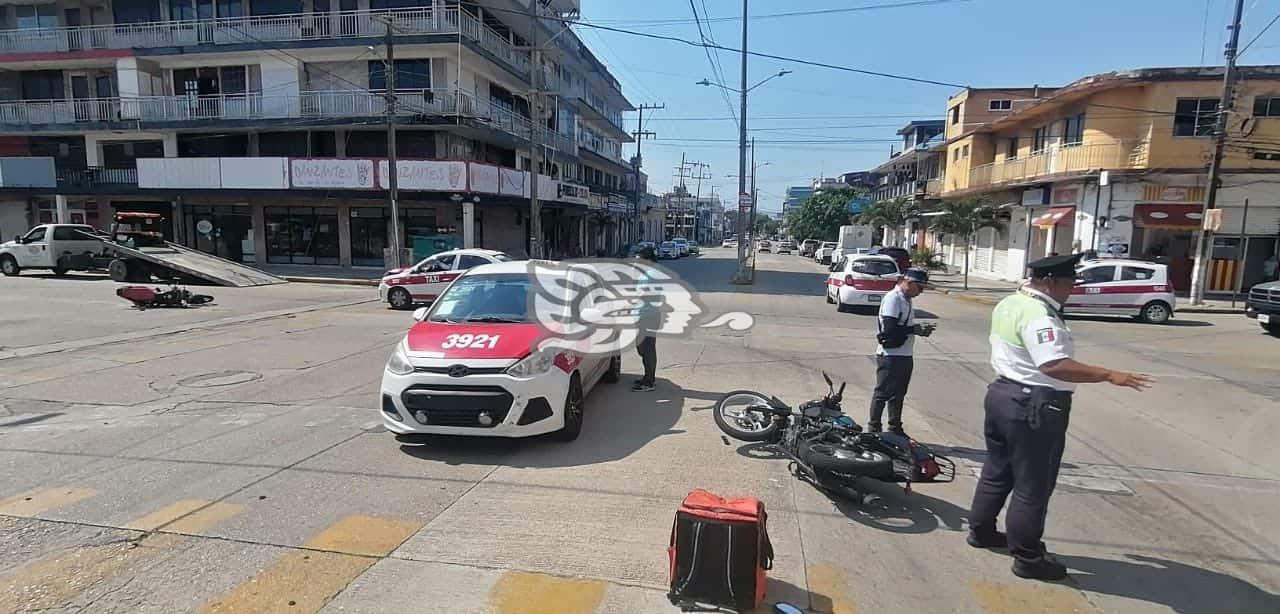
(471, 365)
(423, 282)
(861, 280)
(1123, 287)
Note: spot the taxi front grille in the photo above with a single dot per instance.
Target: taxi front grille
(460, 406)
(1265, 296)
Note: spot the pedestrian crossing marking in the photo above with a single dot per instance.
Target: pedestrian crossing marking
(186, 516)
(35, 502)
(305, 580)
(54, 582)
(518, 592)
(829, 590)
(1028, 598)
(365, 535)
(299, 582)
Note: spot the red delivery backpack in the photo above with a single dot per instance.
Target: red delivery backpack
(719, 552)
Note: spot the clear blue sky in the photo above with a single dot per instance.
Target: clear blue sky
(981, 43)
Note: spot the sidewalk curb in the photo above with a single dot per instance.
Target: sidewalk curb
(981, 300)
(1212, 310)
(336, 281)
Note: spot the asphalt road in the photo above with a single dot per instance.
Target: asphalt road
(230, 459)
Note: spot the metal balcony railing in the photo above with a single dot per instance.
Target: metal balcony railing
(97, 177)
(1053, 160)
(265, 28)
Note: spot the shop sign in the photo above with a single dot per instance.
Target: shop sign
(571, 193)
(513, 182)
(595, 201)
(1065, 196)
(331, 173)
(1034, 197)
(426, 175)
(484, 178)
(618, 204)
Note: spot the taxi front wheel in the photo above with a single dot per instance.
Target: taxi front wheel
(1156, 312)
(399, 298)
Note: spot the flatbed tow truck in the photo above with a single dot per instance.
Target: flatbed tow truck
(133, 251)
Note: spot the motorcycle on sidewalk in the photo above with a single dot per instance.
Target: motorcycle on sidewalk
(827, 448)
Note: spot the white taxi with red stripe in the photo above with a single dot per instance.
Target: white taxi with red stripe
(423, 282)
(861, 280)
(1117, 286)
(472, 365)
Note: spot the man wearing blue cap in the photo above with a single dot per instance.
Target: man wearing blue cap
(895, 348)
(1027, 408)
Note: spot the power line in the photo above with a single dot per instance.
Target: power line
(852, 9)
(716, 69)
(1259, 35)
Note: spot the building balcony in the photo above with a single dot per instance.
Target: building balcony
(97, 178)
(1053, 160)
(264, 29)
(593, 116)
(341, 106)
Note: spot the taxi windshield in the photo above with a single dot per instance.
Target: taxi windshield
(499, 299)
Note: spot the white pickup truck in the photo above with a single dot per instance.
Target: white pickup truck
(56, 247)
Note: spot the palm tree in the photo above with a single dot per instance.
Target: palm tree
(964, 218)
(889, 213)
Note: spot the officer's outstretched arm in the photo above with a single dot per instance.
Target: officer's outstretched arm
(1070, 370)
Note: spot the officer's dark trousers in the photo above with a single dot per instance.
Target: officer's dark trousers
(893, 375)
(648, 349)
(1025, 439)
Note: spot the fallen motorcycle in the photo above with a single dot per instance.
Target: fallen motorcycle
(143, 297)
(826, 447)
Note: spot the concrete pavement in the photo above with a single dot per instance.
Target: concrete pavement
(240, 466)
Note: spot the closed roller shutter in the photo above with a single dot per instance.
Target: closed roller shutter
(1262, 220)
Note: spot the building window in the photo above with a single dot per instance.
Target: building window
(1011, 150)
(1195, 116)
(964, 151)
(302, 235)
(955, 115)
(955, 155)
(1040, 139)
(1073, 130)
(1000, 105)
(410, 75)
(1266, 106)
(37, 17)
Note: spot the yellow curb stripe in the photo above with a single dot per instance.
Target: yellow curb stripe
(1028, 598)
(54, 582)
(38, 501)
(304, 581)
(830, 590)
(529, 593)
(186, 516)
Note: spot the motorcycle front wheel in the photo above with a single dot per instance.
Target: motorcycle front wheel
(857, 462)
(735, 417)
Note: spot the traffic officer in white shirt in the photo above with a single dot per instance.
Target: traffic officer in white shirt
(894, 349)
(1027, 408)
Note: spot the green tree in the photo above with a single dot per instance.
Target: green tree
(889, 213)
(821, 215)
(765, 226)
(964, 218)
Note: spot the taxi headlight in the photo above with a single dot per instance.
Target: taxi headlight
(399, 363)
(536, 363)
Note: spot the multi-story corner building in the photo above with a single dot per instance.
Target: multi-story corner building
(913, 174)
(1117, 163)
(257, 127)
(690, 216)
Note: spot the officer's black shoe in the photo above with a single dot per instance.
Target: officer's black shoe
(897, 430)
(990, 538)
(1043, 568)
(873, 427)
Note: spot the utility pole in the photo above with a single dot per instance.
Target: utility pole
(535, 134)
(742, 276)
(753, 187)
(697, 197)
(393, 187)
(1203, 238)
(640, 134)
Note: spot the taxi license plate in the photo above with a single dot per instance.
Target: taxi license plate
(874, 298)
(1264, 318)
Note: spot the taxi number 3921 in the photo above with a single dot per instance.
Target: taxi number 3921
(471, 341)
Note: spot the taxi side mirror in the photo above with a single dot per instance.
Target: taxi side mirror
(420, 313)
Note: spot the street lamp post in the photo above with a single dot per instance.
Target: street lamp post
(742, 276)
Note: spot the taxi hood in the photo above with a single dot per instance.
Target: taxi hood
(478, 340)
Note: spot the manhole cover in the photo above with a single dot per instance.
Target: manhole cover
(219, 378)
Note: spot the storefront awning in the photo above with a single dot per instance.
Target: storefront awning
(1055, 216)
(1173, 217)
